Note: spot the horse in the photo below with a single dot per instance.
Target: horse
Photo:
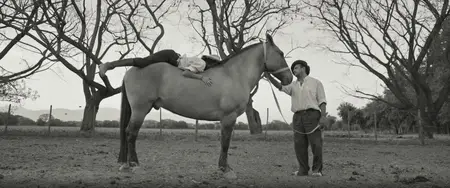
(162, 85)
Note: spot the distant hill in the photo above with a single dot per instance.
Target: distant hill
(77, 114)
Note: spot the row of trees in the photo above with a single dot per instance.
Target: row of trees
(43, 120)
(388, 118)
(47, 119)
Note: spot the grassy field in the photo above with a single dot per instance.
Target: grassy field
(30, 158)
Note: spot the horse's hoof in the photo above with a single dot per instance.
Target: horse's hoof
(230, 175)
(136, 169)
(124, 168)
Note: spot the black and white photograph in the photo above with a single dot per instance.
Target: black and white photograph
(224, 93)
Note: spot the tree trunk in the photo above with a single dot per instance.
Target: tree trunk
(448, 127)
(396, 128)
(426, 117)
(439, 128)
(419, 123)
(253, 119)
(89, 116)
(428, 124)
(393, 124)
(428, 130)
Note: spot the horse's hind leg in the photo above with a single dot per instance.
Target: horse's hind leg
(227, 128)
(136, 120)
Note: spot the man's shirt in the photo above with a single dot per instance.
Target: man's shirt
(309, 95)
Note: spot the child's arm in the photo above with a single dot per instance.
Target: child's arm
(189, 74)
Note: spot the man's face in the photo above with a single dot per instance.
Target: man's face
(298, 70)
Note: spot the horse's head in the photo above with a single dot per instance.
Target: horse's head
(275, 63)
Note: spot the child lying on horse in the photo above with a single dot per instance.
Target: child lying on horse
(190, 65)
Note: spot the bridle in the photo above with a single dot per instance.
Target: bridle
(265, 63)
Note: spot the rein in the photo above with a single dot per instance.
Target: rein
(275, 97)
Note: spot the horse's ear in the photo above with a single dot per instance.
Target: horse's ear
(269, 39)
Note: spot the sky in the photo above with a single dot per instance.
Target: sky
(63, 89)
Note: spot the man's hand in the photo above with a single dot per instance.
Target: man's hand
(207, 80)
(323, 122)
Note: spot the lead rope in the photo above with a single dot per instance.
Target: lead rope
(279, 109)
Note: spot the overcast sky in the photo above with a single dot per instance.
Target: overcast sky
(63, 89)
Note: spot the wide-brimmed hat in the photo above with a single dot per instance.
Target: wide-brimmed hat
(213, 57)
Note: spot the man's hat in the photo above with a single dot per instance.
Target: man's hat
(302, 63)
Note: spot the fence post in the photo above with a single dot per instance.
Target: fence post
(49, 119)
(196, 129)
(348, 122)
(448, 128)
(375, 127)
(7, 119)
(267, 123)
(160, 123)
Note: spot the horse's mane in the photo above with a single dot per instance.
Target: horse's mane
(227, 59)
(238, 53)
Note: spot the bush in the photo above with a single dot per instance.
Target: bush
(278, 125)
(241, 126)
(338, 125)
(108, 123)
(15, 119)
(177, 125)
(150, 124)
(25, 121)
(40, 122)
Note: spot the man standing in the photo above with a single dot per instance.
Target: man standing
(308, 102)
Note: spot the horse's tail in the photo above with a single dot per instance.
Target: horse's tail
(125, 114)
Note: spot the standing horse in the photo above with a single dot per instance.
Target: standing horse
(162, 85)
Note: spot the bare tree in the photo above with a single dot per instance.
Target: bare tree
(391, 40)
(12, 85)
(227, 26)
(80, 37)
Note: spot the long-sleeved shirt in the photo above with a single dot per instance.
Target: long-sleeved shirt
(308, 95)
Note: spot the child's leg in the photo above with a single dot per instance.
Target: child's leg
(169, 56)
(102, 68)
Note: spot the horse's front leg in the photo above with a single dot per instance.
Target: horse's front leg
(227, 123)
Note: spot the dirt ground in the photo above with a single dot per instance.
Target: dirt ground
(39, 161)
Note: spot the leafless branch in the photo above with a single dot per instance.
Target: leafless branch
(237, 24)
(71, 30)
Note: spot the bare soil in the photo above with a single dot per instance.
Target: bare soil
(176, 161)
